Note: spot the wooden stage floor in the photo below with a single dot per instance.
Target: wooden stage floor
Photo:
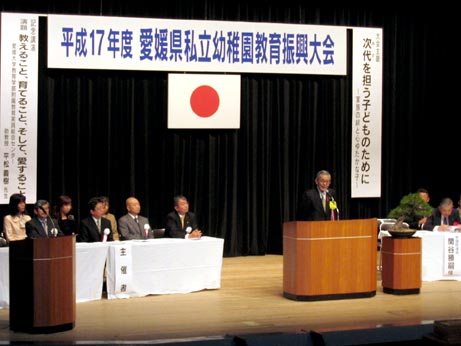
(250, 301)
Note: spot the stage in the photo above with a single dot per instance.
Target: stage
(249, 302)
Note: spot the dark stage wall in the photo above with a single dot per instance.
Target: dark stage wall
(104, 132)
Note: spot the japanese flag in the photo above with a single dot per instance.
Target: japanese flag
(203, 101)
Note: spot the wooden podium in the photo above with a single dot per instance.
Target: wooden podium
(325, 260)
(42, 285)
(401, 259)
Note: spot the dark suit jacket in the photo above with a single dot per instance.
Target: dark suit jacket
(311, 208)
(68, 227)
(89, 232)
(173, 227)
(129, 229)
(413, 222)
(34, 228)
(436, 219)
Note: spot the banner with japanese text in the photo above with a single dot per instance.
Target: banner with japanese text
(367, 75)
(123, 43)
(120, 281)
(451, 255)
(18, 104)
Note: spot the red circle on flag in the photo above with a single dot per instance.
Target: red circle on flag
(204, 101)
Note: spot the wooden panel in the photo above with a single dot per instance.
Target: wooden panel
(45, 248)
(401, 260)
(43, 299)
(53, 290)
(330, 257)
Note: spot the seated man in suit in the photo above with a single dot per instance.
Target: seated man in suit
(443, 217)
(111, 217)
(181, 223)
(42, 225)
(132, 225)
(424, 194)
(95, 228)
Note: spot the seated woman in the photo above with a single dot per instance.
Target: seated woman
(63, 213)
(14, 224)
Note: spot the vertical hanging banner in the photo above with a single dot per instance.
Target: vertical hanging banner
(121, 286)
(367, 75)
(451, 255)
(203, 101)
(18, 104)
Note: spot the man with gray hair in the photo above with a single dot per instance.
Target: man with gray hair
(42, 225)
(319, 203)
(443, 217)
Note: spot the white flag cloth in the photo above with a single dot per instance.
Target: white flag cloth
(203, 101)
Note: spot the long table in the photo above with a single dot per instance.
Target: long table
(441, 255)
(138, 268)
(90, 259)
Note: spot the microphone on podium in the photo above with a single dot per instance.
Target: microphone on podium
(146, 230)
(105, 234)
(333, 206)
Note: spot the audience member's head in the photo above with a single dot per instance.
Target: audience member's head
(17, 204)
(42, 208)
(133, 206)
(181, 205)
(96, 207)
(446, 206)
(424, 194)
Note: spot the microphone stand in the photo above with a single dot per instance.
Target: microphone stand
(54, 230)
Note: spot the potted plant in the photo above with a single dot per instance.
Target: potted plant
(412, 208)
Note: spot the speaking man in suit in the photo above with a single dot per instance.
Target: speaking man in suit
(319, 203)
(95, 228)
(42, 225)
(181, 223)
(132, 225)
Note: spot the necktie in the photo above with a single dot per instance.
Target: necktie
(445, 220)
(98, 223)
(45, 226)
(182, 220)
(143, 235)
(324, 201)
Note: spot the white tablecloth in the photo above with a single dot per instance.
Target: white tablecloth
(433, 255)
(4, 278)
(163, 266)
(89, 276)
(90, 259)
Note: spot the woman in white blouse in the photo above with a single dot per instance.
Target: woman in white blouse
(14, 224)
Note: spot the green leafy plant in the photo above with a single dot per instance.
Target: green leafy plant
(412, 207)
